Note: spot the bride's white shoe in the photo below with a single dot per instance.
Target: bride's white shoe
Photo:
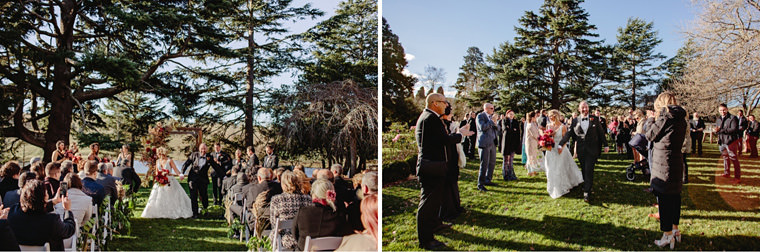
(665, 240)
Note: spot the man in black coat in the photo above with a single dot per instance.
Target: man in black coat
(727, 128)
(588, 133)
(473, 138)
(197, 180)
(743, 124)
(466, 142)
(510, 144)
(224, 164)
(697, 126)
(253, 160)
(753, 131)
(432, 138)
(271, 160)
(266, 184)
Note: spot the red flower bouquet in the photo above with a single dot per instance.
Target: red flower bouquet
(546, 141)
(161, 177)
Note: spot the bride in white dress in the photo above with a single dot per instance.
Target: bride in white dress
(169, 201)
(562, 174)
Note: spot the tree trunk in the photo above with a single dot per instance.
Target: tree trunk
(248, 140)
(352, 158)
(633, 87)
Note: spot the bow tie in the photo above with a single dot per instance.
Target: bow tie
(584, 119)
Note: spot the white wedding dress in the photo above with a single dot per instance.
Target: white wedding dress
(169, 201)
(562, 174)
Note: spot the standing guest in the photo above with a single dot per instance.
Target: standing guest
(486, 148)
(697, 126)
(60, 151)
(450, 203)
(432, 136)
(523, 126)
(685, 150)
(238, 162)
(53, 173)
(322, 219)
(224, 164)
(123, 161)
(14, 197)
(108, 182)
(498, 131)
(285, 206)
(602, 119)
(510, 145)
(727, 127)
(466, 143)
(667, 133)
(94, 151)
(532, 132)
(753, 131)
(90, 185)
(366, 240)
(271, 160)
(473, 138)
(253, 160)
(743, 123)
(612, 128)
(542, 120)
(35, 227)
(9, 173)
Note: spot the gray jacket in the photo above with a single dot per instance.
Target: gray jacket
(486, 131)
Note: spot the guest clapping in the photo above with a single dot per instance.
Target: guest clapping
(667, 134)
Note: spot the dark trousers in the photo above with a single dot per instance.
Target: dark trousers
(696, 142)
(216, 189)
(451, 205)
(473, 146)
(431, 195)
(670, 210)
(588, 161)
(466, 146)
(685, 169)
(198, 189)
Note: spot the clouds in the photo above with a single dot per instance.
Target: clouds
(409, 57)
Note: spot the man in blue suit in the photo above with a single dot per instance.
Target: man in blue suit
(486, 142)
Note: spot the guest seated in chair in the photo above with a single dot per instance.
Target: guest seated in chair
(322, 219)
(366, 240)
(33, 226)
(285, 206)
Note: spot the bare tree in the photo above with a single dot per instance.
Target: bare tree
(726, 65)
(434, 76)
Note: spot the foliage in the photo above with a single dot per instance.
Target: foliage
(396, 170)
(69, 54)
(235, 228)
(259, 243)
(155, 139)
(635, 55)
(397, 86)
(519, 215)
(399, 143)
(106, 142)
(338, 120)
(469, 79)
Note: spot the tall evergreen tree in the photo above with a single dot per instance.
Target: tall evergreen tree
(397, 87)
(675, 67)
(558, 62)
(67, 53)
(635, 52)
(468, 79)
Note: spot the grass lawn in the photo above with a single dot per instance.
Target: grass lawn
(519, 215)
(207, 234)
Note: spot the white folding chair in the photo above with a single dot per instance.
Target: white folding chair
(107, 219)
(45, 247)
(94, 229)
(280, 225)
(322, 243)
(70, 244)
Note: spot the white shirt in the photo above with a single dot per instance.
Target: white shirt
(584, 123)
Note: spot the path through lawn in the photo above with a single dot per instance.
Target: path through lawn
(521, 216)
(205, 234)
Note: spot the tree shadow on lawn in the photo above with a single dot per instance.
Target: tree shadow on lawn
(590, 236)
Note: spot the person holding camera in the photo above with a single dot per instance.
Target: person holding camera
(432, 137)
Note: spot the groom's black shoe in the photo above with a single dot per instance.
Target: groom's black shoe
(433, 245)
(482, 189)
(195, 216)
(586, 197)
(490, 183)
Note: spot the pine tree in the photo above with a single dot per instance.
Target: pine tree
(421, 93)
(469, 80)
(439, 90)
(635, 52)
(397, 87)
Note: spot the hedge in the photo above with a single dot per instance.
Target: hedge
(399, 170)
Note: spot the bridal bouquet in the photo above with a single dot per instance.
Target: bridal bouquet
(546, 141)
(161, 177)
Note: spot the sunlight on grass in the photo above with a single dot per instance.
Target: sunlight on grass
(520, 215)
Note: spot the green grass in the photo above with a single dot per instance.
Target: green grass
(207, 234)
(519, 215)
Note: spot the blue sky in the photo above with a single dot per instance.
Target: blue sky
(438, 33)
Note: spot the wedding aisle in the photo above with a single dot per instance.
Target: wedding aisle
(204, 234)
(521, 216)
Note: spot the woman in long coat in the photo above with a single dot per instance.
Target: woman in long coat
(510, 144)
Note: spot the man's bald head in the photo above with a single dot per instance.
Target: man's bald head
(488, 108)
(436, 102)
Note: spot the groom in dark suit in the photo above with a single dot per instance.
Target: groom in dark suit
(588, 133)
(199, 163)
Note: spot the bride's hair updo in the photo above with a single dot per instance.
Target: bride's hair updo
(161, 151)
